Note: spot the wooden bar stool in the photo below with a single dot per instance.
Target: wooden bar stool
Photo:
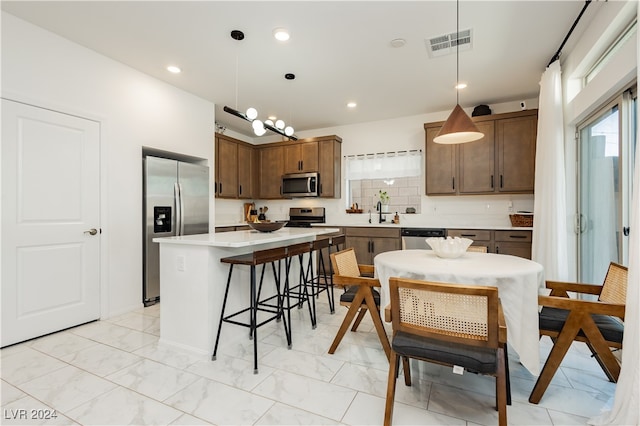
(293, 296)
(261, 257)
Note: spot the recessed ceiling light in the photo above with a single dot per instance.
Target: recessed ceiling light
(398, 42)
(461, 86)
(352, 104)
(281, 34)
(173, 69)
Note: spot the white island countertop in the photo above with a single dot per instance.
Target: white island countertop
(244, 238)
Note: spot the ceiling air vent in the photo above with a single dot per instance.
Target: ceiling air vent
(446, 44)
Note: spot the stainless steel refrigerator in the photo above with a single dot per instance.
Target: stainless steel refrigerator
(176, 202)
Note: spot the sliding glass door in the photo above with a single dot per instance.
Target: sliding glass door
(606, 147)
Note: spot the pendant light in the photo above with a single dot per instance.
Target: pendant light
(458, 128)
(251, 114)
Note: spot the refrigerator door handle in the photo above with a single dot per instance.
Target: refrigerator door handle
(177, 190)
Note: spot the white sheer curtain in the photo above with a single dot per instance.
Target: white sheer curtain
(384, 165)
(626, 403)
(549, 247)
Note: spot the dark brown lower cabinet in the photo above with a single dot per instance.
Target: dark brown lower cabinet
(370, 241)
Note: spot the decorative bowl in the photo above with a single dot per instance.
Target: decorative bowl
(267, 226)
(449, 248)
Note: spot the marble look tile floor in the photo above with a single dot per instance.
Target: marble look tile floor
(114, 372)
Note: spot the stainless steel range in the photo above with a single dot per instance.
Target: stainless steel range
(303, 217)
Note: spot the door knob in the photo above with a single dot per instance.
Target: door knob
(92, 231)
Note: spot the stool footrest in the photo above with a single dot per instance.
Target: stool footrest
(228, 318)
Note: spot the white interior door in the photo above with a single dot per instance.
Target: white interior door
(50, 221)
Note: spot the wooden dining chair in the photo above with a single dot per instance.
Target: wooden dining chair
(597, 323)
(449, 324)
(360, 296)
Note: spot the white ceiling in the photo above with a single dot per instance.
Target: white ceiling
(339, 51)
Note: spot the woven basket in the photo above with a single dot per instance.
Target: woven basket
(521, 220)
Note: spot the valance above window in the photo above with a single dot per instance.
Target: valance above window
(384, 165)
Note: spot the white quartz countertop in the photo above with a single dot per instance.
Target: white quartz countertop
(400, 225)
(245, 238)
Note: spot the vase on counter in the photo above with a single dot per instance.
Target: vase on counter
(385, 208)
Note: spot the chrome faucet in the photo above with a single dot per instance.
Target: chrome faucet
(381, 218)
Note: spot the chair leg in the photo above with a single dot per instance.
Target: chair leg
(254, 319)
(328, 287)
(257, 296)
(501, 388)
(406, 369)
(351, 313)
(224, 304)
(311, 301)
(286, 295)
(600, 350)
(507, 377)
(560, 348)
(361, 313)
(377, 322)
(280, 294)
(391, 389)
(609, 368)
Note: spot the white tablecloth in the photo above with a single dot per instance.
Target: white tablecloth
(518, 281)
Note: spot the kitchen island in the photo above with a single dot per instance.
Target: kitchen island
(192, 280)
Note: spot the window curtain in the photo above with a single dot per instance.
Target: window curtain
(626, 403)
(384, 165)
(549, 246)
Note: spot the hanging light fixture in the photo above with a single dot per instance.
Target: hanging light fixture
(458, 128)
(251, 114)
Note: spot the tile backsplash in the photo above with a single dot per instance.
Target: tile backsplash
(441, 211)
(403, 193)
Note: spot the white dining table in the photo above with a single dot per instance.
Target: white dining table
(518, 280)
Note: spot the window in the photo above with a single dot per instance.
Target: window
(396, 173)
(629, 31)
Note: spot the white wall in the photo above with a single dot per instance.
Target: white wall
(134, 110)
(602, 24)
(397, 134)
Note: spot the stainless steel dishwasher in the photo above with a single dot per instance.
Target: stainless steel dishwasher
(414, 238)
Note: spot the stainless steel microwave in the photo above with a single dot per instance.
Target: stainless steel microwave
(301, 185)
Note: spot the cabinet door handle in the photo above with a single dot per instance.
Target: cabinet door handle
(240, 190)
(518, 236)
(220, 191)
(301, 164)
(491, 181)
(468, 235)
(373, 249)
(215, 186)
(501, 181)
(453, 182)
(320, 189)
